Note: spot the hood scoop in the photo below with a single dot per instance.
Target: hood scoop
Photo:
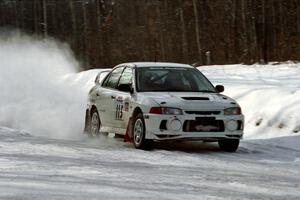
(196, 98)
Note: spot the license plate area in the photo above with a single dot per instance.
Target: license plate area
(203, 119)
(203, 124)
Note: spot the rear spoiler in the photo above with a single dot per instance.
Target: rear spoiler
(98, 77)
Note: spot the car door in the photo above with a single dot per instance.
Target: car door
(123, 99)
(106, 97)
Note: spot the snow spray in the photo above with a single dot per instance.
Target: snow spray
(34, 96)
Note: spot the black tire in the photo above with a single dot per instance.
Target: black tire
(95, 124)
(229, 145)
(139, 133)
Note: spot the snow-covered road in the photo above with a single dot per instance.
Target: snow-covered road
(39, 168)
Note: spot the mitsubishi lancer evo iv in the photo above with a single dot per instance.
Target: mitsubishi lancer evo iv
(162, 101)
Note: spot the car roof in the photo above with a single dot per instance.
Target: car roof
(156, 64)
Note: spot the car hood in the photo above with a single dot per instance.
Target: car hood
(191, 100)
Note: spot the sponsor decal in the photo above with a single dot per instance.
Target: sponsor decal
(126, 106)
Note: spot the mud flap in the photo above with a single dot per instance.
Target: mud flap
(128, 134)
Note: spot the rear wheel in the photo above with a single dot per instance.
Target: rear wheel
(139, 133)
(95, 124)
(229, 145)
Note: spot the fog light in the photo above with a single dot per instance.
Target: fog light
(175, 125)
(232, 125)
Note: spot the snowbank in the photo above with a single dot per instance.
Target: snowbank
(268, 94)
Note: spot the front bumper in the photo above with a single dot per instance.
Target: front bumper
(171, 127)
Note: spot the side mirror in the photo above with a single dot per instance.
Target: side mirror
(220, 88)
(125, 88)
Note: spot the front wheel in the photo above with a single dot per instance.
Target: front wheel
(229, 145)
(139, 133)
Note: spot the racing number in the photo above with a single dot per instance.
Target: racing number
(119, 113)
(119, 109)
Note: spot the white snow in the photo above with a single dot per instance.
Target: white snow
(38, 168)
(44, 156)
(268, 94)
(33, 96)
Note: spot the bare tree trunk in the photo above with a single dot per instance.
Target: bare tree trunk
(1, 14)
(73, 18)
(281, 30)
(265, 42)
(298, 17)
(145, 52)
(36, 16)
(232, 33)
(161, 38)
(99, 36)
(21, 14)
(98, 15)
(183, 33)
(16, 15)
(253, 35)
(197, 32)
(167, 45)
(274, 36)
(45, 18)
(244, 34)
(85, 32)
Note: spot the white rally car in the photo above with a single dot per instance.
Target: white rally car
(162, 101)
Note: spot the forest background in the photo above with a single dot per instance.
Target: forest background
(103, 33)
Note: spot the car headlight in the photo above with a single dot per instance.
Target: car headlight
(233, 111)
(172, 111)
(166, 111)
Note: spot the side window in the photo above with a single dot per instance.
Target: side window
(112, 80)
(126, 77)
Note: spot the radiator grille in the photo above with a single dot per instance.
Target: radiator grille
(203, 112)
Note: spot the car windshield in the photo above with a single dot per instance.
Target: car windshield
(180, 79)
